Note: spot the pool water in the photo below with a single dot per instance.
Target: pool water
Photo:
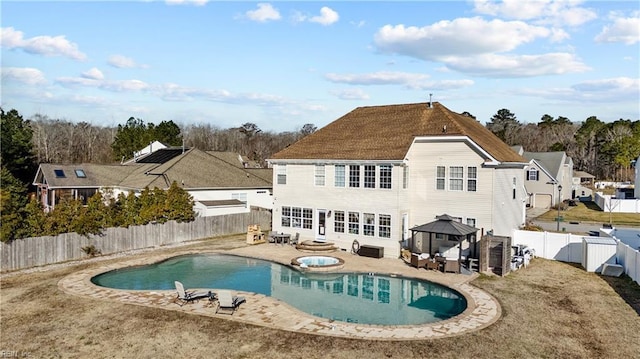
(349, 297)
(318, 261)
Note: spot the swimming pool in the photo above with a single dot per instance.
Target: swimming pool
(347, 297)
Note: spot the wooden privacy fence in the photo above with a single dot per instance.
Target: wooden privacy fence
(38, 251)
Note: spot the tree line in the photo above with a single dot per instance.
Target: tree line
(606, 150)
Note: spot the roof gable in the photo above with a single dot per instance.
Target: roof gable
(387, 132)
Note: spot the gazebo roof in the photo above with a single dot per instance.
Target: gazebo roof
(445, 224)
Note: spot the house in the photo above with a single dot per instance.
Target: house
(583, 183)
(376, 172)
(217, 186)
(548, 178)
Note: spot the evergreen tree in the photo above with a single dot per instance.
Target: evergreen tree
(13, 200)
(16, 146)
(179, 204)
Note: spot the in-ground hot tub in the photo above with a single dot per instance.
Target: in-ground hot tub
(318, 263)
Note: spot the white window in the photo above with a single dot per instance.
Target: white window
(369, 176)
(296, 217)
(338, 221)
(385, 176)
(384, 226)
(456, 180)
(319, 175)
(354, 222)
(532, 175)
(282, 174)
(354, 176)
(368, 224)
(471, 222)
(440, 179)
(242, 197)
(286, 216)
(405, 177)
(339, 180)
(472, 179)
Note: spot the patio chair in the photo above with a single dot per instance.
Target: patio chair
(417, 261)
(272, 236)
(227, 303)
(295, 239)
(185, 296)
(452, 265)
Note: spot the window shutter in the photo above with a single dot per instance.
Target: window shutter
(537, 175)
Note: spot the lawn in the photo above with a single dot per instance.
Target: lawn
(549, 310)
(586, 212)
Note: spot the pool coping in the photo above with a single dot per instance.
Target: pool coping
(482, 308)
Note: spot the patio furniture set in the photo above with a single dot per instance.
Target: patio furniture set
(438, 263)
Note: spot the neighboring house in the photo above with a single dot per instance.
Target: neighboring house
(217, 186)
(548, 178)
(583, 183)
(379, 171)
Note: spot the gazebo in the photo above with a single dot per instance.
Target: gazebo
(448, 230)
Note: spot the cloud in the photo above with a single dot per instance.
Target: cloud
(93, 74)
(123, 62)
(327, 17)
(558, 13)
(617, 84)
(187, 2)
(351, 94)
(513, 66)
(86, 80)
(623, 29)
(27, 75)
(264, 13)
(406, 79)
(611, 90)
(40, 45)
(442, 39)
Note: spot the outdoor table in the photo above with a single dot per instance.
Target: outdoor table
(282, 238)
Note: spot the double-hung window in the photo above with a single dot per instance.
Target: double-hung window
(440, 177)
(456, 178)
(532, 175)
(354, 222)
(282, 174)
(385, 176)
(338, 221)
(354, 176)
(339, 175)
(369, 176)
(384, 226)
(319, 175)
(286, 216)
(368, 224)
(472, 178)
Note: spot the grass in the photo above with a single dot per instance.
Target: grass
(590, 212)
(550, 310)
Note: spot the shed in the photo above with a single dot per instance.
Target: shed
(597, 251)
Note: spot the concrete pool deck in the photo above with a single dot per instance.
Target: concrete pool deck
(482, 309)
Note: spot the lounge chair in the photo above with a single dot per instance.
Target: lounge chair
(227, 303)
(185, 296)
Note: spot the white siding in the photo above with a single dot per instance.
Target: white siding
(301, 191)
(508, 213)
(426, 202)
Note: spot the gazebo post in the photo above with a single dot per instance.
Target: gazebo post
(430, 249)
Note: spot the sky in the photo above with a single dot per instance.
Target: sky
(281, 65)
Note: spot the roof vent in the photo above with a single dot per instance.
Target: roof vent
(430, 102)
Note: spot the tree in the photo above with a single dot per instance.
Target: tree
(13, 199)
(504, 125)
(167, 133)
(308, 129)
(179, 204)
(16, 146)
(130, 138)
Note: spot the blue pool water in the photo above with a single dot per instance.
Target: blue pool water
(348, 297)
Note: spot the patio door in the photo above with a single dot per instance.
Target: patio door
(321, 225)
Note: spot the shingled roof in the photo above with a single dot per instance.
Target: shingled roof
(387, 132)
(193, 169)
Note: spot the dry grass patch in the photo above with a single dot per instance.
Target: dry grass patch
(590, 212)
(550, 309)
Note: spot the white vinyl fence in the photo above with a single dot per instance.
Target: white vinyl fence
(567, 247)
(38, 251)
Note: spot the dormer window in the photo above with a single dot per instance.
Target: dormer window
(59, 173)
(80, 173)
